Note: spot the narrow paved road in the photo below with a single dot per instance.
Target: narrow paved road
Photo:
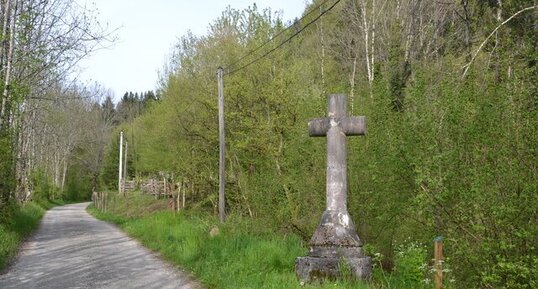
(72, 249)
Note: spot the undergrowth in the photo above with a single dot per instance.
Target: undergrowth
(16, 223)
(245, 253)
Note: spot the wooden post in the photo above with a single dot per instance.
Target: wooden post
(104, 202)
(120, 165)
(438, 254)
(183, 195)
(165, 192)
(125, 169)
(179, 185)
(222, 148)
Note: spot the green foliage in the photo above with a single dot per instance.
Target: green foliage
(245, 253)
(444, 155)
(6, 169)
(16, 223)
(44, 189)
(410, 263)
(108, 177)
(78, 187)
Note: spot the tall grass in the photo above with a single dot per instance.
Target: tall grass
(16, 223)
(245, 254)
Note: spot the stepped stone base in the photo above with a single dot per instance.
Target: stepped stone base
(317, 269)
(335, 251)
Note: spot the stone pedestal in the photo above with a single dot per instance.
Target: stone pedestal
(315, 269)
(335, 251)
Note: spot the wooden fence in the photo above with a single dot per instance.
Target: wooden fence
(175, 192)
(158, 188)
(100, 200)
(128, 186)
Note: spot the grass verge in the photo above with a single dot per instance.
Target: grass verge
(16, 223)
(244, 254)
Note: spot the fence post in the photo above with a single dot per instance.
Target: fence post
(438, 265)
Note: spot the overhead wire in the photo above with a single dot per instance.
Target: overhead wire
(276, 35)
(192, 101)
(283, 42)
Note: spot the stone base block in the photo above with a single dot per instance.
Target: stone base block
(314, 269)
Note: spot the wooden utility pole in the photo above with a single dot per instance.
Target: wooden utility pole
(222, 148)
(438, 255)
(125, 162)
(125, 169)
(120, 166)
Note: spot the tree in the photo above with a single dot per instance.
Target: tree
(41, 42)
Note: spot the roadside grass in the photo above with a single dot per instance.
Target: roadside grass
(16, 223)
(245, 254)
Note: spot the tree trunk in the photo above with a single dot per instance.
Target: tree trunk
(322, 41)
(352, 84)
(7, 63)
(64, 173)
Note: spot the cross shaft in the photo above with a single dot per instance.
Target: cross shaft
(336, 127)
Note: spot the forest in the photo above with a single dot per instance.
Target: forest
(449, 89)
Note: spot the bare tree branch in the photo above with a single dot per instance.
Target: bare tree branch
(468, 65)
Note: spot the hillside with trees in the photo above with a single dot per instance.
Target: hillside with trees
(452, 122)
(449, 89)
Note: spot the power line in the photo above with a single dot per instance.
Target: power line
(278, 34)
(285, 41)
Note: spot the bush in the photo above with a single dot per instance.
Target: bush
(410, 263)
(16, 223)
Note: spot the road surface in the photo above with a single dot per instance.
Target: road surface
(72, 249)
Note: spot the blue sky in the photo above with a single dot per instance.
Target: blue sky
(147, 31)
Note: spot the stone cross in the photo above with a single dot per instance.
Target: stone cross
(336, 127)
(335, 238)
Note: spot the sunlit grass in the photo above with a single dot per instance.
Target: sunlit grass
(245, 254)
(242, 255)
(16, 223)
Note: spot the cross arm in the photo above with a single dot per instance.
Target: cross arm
(354, 125)
(319, 126)
(350, 125)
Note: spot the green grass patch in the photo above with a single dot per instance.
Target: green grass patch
(245, 254)
(16, 223)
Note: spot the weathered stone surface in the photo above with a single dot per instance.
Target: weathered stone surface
(335, 229)
(352, 125)
(335, 241)
(314, 269)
